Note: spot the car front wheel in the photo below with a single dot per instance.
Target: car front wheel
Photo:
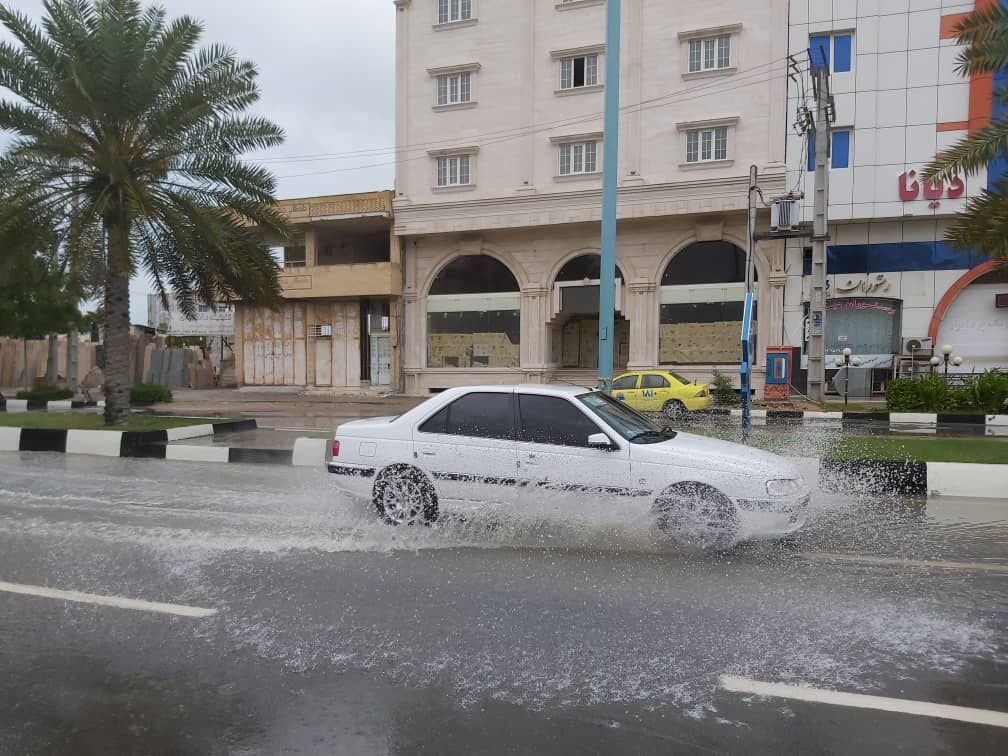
(696, 514)
(673, 409)
(403, 496)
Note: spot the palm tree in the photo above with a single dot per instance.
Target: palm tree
(983, 225)
(134, 133)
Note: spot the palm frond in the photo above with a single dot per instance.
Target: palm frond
(971, 155)
(984, 32)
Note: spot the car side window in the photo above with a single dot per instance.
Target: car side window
(478, 415)
(552, 420)
(654, 382)
(626, 383)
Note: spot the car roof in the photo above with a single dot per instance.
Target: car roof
(549, 389)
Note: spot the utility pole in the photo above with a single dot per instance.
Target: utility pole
(745, 369)
(825, 114)
(610, 166)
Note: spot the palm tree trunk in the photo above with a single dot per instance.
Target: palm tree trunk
(117, 336)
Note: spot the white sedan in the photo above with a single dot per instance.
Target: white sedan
(569, 453)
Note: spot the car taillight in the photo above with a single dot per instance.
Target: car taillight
(335, 448)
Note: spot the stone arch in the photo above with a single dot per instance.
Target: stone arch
(507, 261)
(761, 264)
(954, 290)
(584, 251)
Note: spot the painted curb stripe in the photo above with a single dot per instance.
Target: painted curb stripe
(183, 453)
(43, 440)
(234, 426)
(862, 701)
(189, 431)
(179, 610)
(10, 439)
(874, 476)
(261, 456)
(101, 443)
(144, 445)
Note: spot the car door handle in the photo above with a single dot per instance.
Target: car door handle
(428, 452)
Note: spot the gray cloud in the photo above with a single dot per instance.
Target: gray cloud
(327, 78)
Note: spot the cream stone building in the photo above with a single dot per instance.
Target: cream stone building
(498, 184)
(338, 326)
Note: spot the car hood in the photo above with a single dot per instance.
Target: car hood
(705, 453)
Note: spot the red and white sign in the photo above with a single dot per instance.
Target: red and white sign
(933, 190)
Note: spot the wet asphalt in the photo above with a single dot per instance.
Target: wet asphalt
(337, 635)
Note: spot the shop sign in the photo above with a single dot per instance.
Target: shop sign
(933, 190)
(873, 283)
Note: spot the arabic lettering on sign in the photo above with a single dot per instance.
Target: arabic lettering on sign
(875, 283)
(933, 190)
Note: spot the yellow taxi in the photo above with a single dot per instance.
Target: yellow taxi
(660, 391)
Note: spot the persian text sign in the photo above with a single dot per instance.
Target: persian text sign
(933, 190)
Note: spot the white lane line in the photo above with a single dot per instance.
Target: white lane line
(179, 610)
(912, 563)
(862, 701)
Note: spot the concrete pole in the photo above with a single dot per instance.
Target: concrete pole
(52, 363)
(820, 235)
(72, 382)
(610, 166)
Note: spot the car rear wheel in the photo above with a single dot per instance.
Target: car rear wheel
(698, 515)
(673, 409)
(403, 496)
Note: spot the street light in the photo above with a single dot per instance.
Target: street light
(947, 354)
(845, 362)
(934, 362)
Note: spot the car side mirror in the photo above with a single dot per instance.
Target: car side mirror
(600, 441)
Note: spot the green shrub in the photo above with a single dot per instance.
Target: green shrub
(902, 395)
(961, 399)
(46, 394)
(929, 393)
(988, 391)
(149, 393)
(722, 390)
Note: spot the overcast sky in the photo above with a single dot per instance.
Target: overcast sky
(327, 78)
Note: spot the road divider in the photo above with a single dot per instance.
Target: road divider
(809, 694)
(118, 602)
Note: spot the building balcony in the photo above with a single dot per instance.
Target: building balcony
(374, 279)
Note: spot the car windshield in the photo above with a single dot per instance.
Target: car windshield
(630, 424)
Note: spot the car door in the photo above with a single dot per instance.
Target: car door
(654, 390)
(560, 475)
(468, 449)
(624, 389)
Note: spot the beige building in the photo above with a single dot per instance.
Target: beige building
(498, 185)
(338, 326)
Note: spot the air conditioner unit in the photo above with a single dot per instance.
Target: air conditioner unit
(918, 346)
(784, 214)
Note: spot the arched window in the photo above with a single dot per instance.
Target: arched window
(584, 267)
(702, 294)
(474, 315)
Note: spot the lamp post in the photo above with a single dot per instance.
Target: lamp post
(845, 362)
(934, 362)
(947, 354)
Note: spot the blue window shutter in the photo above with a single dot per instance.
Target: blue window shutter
(841, 149)
(841, 53)
(810, 149)
(819, 50)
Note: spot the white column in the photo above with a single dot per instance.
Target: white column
(642, 312)
(535, 345)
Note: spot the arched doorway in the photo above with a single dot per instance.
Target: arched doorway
(575, 316)
(972, 322)
(702, 294)
(474, 315)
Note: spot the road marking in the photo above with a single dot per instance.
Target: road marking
(179, 610)
(914, 563)
(862, 701)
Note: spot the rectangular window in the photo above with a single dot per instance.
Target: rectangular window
(707, 145)
(839, 149)
(453, 170)
(580, 71)
(823, 46)
(578, 157)
(454, 10)
(709, 53)
(840, 156)
(453, 89)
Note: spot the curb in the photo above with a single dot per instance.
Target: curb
(910, 478)
(995, 424)
(33, 405)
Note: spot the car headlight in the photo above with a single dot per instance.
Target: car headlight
(784, 487)
(701, 393)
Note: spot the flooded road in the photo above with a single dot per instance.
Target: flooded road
(316, 629)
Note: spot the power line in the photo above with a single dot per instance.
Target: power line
(526, 132)
(709, 88)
